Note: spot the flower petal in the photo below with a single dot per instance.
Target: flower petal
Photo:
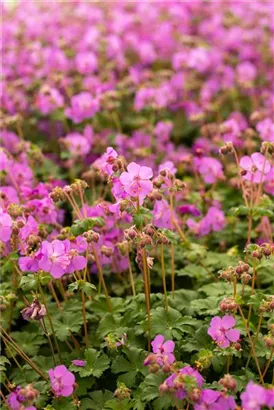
(228, 321)
(233, 335)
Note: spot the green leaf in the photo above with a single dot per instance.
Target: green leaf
(173, 237)
(86, 287)
(150, 386)
(116, 404)
(130, 366)
(29, 282)
(192, 270)
(66, 325)
(142, 217)
(62, 403)
(199, 340)
(96, 364)
(3, 361)
(99, 398)
(28, 341)
(108, 324)
(170, 323)
(83, 225)
(209, 306)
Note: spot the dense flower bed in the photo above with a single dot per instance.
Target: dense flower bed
(137, 210)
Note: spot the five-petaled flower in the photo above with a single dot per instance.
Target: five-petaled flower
(136, 181)
(164, 348)
(221, 331)
(255, 167)
(62, 381)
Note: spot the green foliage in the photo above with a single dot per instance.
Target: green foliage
(83, 225)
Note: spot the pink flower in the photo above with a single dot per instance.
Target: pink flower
(136, 181)
(175, 384)
(214, 400)
(79, 363)
(55, 257)
(62, 381)
(49, 99)
(159, 346)
(5, 226)
(77, 144)
(105, 162)
(209, 168)
(163, 130)
(221, 331)
(265, 129)
(246, 73)
(256, 167)
(269, 182)
(86, 63)
(213, 221)
(83, 106)
(77, 262)
(254, 397)
(162, 214)
(231, 132)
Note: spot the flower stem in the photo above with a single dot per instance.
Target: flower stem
(164, 276)
(50, 323)
(84, 317)
(252, 345)
(147, 294)
(15, 346)
(268, 362)
(252, 293)
(172, 270)
(44, 328)
(101, 277)
(131, 274)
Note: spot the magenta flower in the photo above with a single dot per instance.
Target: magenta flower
(86, 63)
(62, 381)
(105, 162)
(49, 99)
(5, 226)
(208, 400)
(162, 214)
(246, 73)
(213, 221)
(189, 371)
(265, 129)
(15, 399)
(214, 400)
(159, 346)
(254, 397)
(83, 106)
(77, 262)
(256, 167)
(77, 144)
(221, 331)
(79, 363)
(55, 257)
(189, 209)
(209, 168)
(137, 181)
(175, 382)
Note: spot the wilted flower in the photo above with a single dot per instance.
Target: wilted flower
(35, 311)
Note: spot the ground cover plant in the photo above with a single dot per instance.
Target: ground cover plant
(137, 210)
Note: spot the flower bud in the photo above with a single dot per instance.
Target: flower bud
(245, 278)
(106, 251)
(228, 382)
